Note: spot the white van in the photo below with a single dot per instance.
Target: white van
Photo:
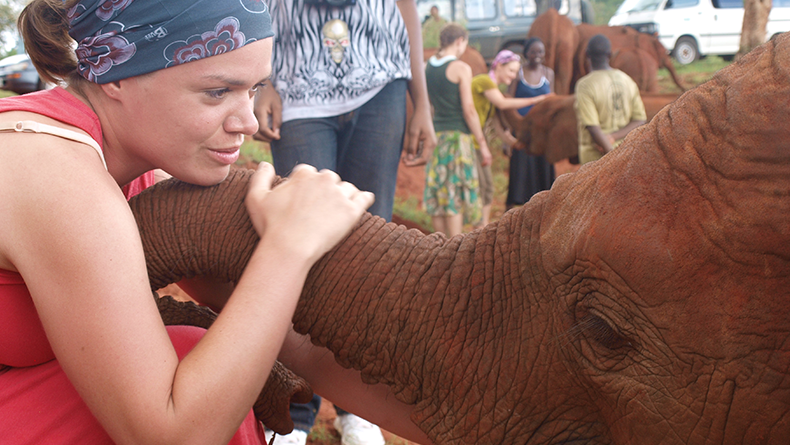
(691, 29)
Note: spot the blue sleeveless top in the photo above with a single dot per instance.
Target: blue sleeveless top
(523, 89)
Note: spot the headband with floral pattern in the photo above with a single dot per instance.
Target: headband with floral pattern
(118, 39)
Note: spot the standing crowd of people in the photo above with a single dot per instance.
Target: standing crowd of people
(154, 90)
(459, 186)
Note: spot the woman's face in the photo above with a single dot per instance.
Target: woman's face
(536, 53)
(191, 119)
(507, 72)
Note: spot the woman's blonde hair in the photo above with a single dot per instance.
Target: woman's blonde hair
(45, 30)
(450, 33)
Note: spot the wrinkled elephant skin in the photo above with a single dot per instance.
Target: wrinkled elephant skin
(644, 299)
(639, 65)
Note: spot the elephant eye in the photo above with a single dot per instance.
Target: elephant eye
(599, 330)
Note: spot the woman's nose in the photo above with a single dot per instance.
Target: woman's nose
(242, 121)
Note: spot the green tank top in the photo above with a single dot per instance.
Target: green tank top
(448, 114)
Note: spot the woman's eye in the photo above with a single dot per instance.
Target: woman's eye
(218, 94)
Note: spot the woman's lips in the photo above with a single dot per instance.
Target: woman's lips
(225, 156)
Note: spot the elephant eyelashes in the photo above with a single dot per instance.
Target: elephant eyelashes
(599, 330)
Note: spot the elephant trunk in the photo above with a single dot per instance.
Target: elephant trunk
(422, 314)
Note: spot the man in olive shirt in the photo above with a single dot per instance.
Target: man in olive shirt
(608, 105)
(431, 28)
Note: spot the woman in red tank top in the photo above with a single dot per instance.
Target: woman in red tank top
(84, 356)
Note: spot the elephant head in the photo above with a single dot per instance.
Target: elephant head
(643, 299)
(550, 128)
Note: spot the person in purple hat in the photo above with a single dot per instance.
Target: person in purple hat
(488, 98)
(84, 355)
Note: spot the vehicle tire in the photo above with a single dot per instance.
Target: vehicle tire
(686, 50)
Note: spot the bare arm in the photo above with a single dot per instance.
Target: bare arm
(510, 103)
(375, 403)
(623, 132)
(461, 73)
(603, 142)
(76, 244)
(420, 128)
(269, 112)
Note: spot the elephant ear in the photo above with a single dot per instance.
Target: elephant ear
(282, 387)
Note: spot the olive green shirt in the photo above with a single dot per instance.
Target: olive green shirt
(609, 99)
(480, 84)
(430, 32)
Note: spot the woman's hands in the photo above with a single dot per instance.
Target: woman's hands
(308, 213)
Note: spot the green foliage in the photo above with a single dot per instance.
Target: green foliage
(604, 10)
(255, 151)
(9, 12)
(411, 209)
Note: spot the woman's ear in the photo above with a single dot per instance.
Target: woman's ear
(113, 90)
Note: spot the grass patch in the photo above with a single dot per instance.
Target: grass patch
(692, 74)
(255, 151)
(410, 209)
(320, 433)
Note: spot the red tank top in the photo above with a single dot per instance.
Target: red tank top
(22, 338)
(37, 403)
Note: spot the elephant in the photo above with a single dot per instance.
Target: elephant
(622, 37)
(643, 299)
(639, 65)
(549, 128)
(560, 37)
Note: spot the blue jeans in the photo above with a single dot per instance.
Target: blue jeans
(362, 146)
(304, 414)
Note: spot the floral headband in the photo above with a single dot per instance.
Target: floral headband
(502, 58)
(118, 39)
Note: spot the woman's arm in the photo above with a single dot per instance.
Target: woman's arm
(343, 387)
(420, 135)
(462, 73)
(510, 103)
(76, 244)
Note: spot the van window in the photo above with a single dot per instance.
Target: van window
(728, 4)
(678, 4)
(480, 9)
(520, 8)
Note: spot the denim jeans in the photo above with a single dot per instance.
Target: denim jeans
(362, 146)
(304, 414)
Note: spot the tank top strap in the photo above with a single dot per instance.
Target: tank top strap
(38, 127)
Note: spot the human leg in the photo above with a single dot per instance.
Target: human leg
(486, 179)
(306, 141)
(451, 184)
(517, 179)
(370, 145)
(313, 142)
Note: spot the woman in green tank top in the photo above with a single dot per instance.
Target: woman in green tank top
(451, 182)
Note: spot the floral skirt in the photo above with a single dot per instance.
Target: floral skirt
(451, 182)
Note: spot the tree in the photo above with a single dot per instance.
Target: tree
(755, 20)
(9, 11)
